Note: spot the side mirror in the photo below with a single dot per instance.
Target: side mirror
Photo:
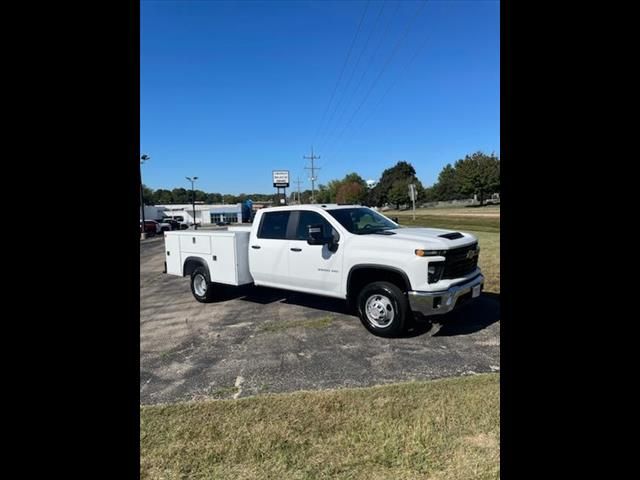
(316, 236)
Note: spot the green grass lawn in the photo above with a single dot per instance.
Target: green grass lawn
(441, 430)
(487, 229)
(453, 222)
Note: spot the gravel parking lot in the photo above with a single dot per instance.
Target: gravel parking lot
(259, 340)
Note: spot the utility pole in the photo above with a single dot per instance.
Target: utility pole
(193, 200)
(298, 182)
(143, 234)
(313, 174)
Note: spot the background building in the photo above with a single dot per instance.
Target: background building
(205, 214)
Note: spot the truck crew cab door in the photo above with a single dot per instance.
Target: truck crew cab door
(268, 250)
(313, 268)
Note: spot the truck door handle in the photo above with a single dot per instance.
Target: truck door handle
(296, 249)
(255, 246)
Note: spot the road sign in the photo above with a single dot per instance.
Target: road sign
(412, 196)
(281, 178)
(412, 192)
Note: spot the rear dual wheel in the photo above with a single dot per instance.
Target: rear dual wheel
(201, 286)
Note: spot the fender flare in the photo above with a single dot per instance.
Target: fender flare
(195, 260)
(388, 268)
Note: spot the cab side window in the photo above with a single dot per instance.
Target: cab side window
(274, 225)
(307, 218)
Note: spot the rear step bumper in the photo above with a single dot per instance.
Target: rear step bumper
(437, 303)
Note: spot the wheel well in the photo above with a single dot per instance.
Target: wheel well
(191, 263)
(361, 276)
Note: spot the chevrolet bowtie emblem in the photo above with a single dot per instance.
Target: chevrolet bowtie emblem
(472, 253)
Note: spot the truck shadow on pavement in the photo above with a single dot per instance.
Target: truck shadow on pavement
(266, 296)
(471, 318)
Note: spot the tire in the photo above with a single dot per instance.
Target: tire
(383, 309)
(201, 286)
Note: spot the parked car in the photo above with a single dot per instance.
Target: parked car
(175, 225)
(164, 226)
(383, 270)
(181, 223)
(222, 224)
(151, 227)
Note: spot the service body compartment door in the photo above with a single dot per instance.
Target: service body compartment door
(242, 257)
(195, 244)
(223, 258)
(172, 254)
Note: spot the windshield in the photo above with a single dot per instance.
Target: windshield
(362, 220)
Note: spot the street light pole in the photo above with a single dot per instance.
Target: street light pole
(143, 234)
(193, 201)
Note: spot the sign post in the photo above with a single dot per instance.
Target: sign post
(281, 180)
(412, 195)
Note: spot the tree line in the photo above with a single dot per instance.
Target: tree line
(476, 174)
(182, 195)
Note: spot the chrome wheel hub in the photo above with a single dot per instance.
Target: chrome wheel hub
(200, 285)
(379, 310)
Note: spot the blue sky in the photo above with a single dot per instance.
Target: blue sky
(230, 91)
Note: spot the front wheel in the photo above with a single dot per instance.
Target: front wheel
(383, 309)
(201, 287)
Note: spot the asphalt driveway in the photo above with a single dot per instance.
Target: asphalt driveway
(259, 340)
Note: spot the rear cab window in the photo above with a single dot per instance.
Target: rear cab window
(274, 225)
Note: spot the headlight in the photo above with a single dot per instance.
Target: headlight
(430, 253)
(434, 271)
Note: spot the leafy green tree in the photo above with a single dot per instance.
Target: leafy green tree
(162, 196)
(305, 196)
(147, 193)
(213, 198)
(429, 194)
(181, 195)
(478, 174)
(200, 196)
(448, 184)
(323, 194)
(399, 193)
(403, 171)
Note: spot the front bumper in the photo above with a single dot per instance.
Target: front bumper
(437, 303)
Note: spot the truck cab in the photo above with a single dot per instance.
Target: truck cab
(355, 253)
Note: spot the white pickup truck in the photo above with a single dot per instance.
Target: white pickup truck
(351, 252)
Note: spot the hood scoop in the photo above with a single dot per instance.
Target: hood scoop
(452, 236)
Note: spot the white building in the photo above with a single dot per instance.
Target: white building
(205, 214)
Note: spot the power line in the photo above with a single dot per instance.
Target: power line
(377, 48)
(313, 174)
(418, 50)
(346, 88)
(384, 67)
(353, 42)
